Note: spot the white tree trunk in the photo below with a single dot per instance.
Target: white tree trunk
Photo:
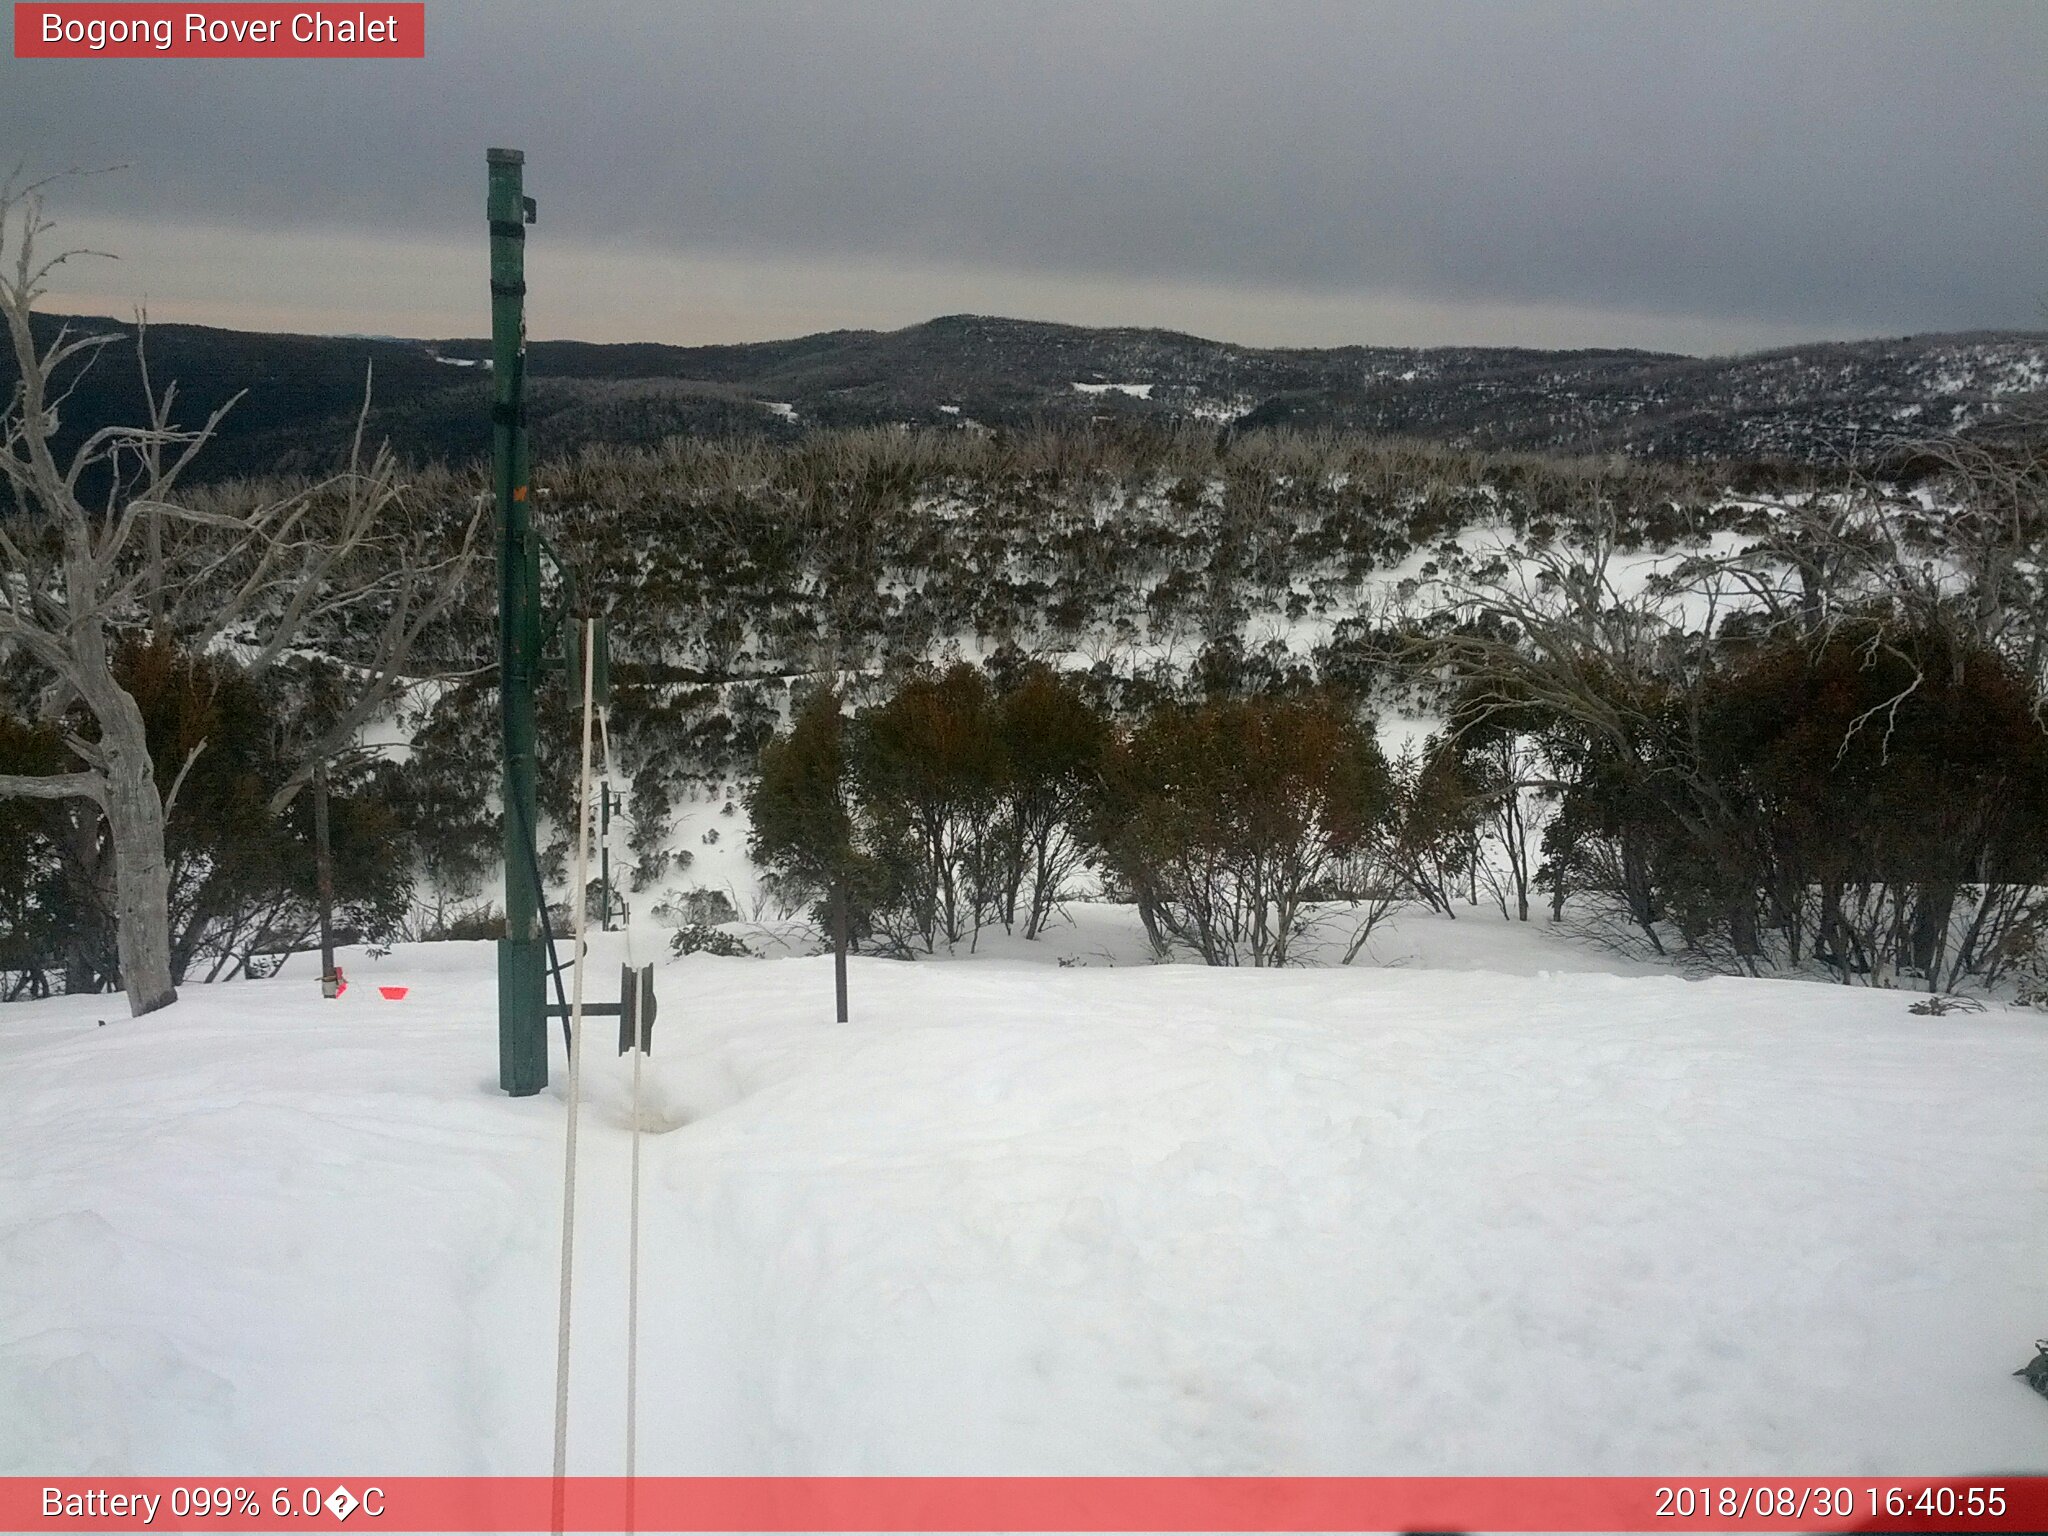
(142, 880)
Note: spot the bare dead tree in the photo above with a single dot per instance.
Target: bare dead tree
(364, 556)
(1969, 562)
(1559, 631)
(101, 548)
(1995, 493)
(1552, 628)
(1908, 582)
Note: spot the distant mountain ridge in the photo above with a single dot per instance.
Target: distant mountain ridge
(1823, 401)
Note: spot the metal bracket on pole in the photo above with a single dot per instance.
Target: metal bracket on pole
(634, 1010)
(571, 660)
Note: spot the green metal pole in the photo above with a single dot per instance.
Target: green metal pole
(522, 1019)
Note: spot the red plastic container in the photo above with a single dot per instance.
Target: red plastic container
(394, 993)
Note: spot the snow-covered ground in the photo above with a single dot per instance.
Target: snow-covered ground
(1488, 1208)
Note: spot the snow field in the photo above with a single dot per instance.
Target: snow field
(1485, 1211)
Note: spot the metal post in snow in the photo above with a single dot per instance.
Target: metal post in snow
(323, 882)
(522, 1020)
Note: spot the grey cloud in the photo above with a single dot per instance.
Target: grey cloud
(1852, 169)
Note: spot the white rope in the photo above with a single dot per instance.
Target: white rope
(633, 1203)
(582, 909)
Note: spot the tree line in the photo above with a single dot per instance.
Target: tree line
(1241, 826)
(1820, 747)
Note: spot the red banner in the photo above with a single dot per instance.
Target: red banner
(216, 31)
(1135, 1504)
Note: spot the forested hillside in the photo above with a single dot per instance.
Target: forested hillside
(1703, 711)
(1824, 403)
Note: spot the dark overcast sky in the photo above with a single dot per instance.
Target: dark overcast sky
(1698, 176)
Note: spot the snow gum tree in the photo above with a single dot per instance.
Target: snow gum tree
(1052, 740)
(1228, 818)
(929, 770)
(98, 545)
(1824, 750)
(802, 824)
(952, 804)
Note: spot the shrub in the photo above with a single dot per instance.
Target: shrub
(2026, 961)
(927, 769)
(699, 905)
(703, 939)
(1051, 740)
(1223, 818)
(1875, 802)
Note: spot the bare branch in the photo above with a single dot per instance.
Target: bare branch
(53, 786)
(178, 781)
